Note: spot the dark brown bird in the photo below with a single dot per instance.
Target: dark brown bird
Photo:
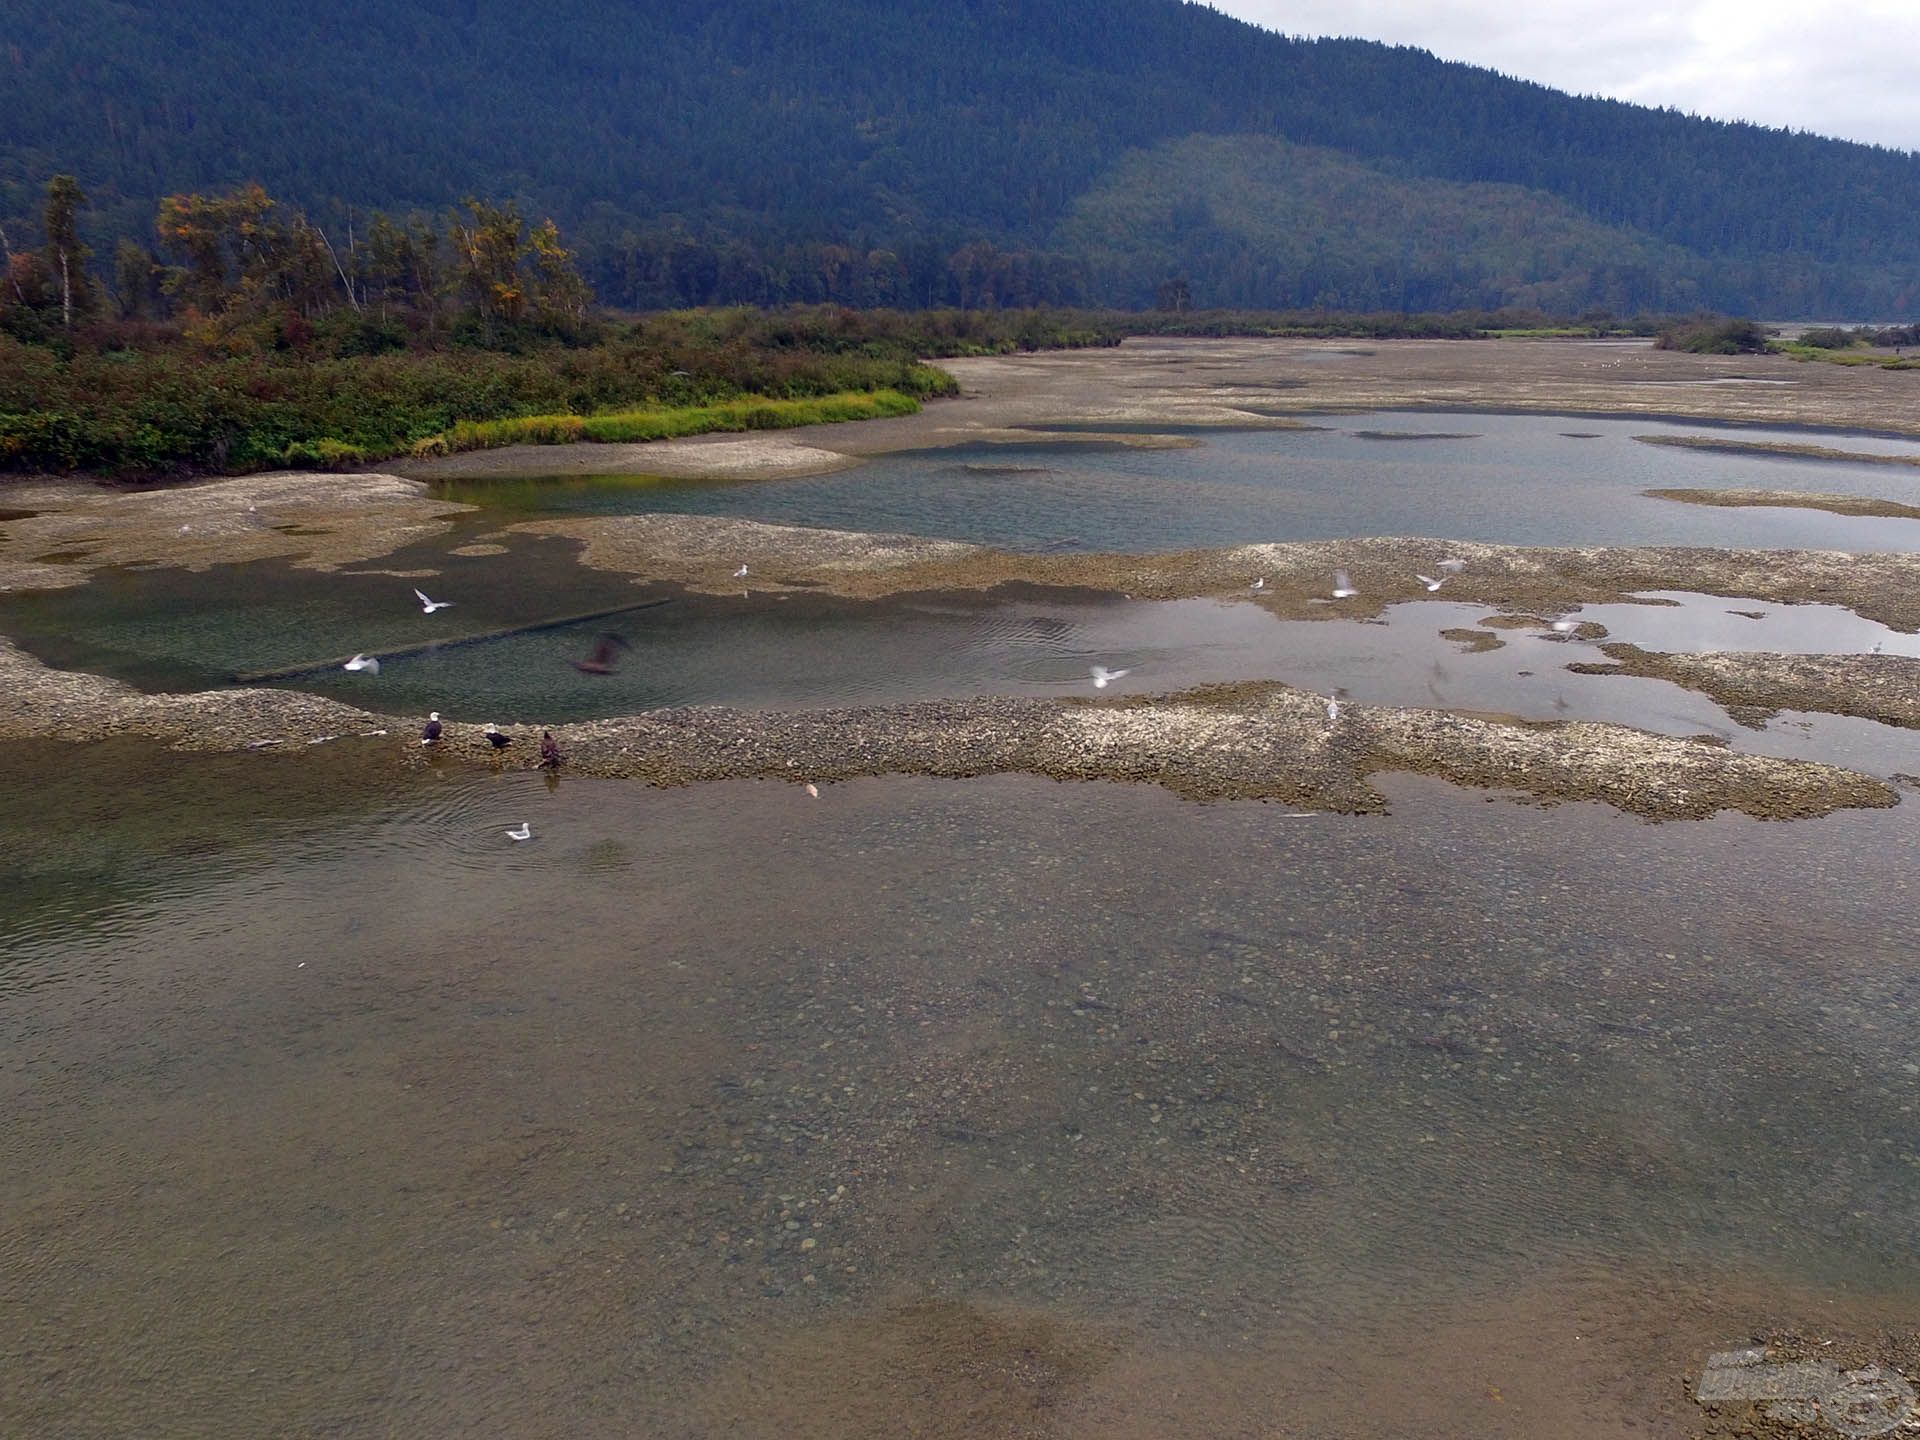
(601, 661)
(550, 756)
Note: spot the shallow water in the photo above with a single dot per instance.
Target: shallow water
(1505, 479)
(333, 1111)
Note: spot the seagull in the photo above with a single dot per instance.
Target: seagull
(740, 573)
(550, 755)
(1259, 584)
(1428, 581)
(361, 662)
(1453, 567)
(1333, 708)
(601, 661)
(1102, 676)
(431, 735)
(495, 738)
(525, 832)
(1876, 647)
(427, 607)
(1565, 627)
(813, 790)
(1343, 585)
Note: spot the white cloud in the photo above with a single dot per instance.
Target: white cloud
(1846, 71)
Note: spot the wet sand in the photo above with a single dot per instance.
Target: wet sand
(1794, 499)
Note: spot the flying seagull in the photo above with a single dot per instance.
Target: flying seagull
(550, 756)
(495, 738)
(1102, 676)
(1565, 627)
(427, 607)
(362, 662)
(524, 832)
(600, 662)
(1453, 567)
(1343, 585)
(431, 735)
(1428, 581)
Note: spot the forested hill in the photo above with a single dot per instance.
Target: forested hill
(919, 151)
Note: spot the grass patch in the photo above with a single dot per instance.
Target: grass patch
(666, 422)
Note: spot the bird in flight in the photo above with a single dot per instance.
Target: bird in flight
(523, 832)
(1103, 677)
(495, 738)
(1453, 567)
(431, 734)
(1428, 581)
(1565, 627)
(1343, 585)
(427, 607)
(600, 662)
(363, 662)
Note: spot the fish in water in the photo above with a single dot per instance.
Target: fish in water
(550, 756)
(431, 734)
(600, 662)
(495, 738)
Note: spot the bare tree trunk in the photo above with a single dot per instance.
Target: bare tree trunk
(339, 269)
(66, 292)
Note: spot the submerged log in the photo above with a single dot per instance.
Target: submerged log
(311, 667)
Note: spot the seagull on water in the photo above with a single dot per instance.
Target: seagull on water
(813, 790)
(1343, 585)
(524, 832)
(1102, 677)
(1876, 647)
(431, 734)
(427, 607)
(495, 738)
(362, 662)
(1428, 581)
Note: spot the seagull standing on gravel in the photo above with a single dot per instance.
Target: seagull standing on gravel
(741, 573)
(431, 734)
(363, 662)
(427, 607)
(1260, 584)
(1428, 581)
(1103, 677)
(1343, 585)
(1333, 708)
(523, 832)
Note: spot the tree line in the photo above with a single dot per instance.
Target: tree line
(243, 270)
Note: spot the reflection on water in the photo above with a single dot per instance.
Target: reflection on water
(350, 1116)
(1506, 479)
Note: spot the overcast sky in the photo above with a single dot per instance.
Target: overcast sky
(1849, 68)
